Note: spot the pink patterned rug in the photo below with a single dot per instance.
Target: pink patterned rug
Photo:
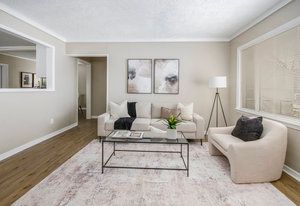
(79, 181)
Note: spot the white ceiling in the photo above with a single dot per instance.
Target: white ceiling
(141, 20)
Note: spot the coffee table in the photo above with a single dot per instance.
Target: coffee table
(148, 138)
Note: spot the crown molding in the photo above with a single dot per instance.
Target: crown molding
(260, 18)
(16, 14)
(152, 40)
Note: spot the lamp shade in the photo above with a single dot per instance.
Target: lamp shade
(218, 82)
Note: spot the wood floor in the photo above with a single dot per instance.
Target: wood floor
(20, 173)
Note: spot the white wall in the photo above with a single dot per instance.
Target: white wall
(198, 62)
(280, 17)
(98, 85)
(26, 116)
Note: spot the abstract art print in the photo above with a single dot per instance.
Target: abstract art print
(139, 76)
(166, 76)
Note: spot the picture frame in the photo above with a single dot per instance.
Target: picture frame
(26, 80)
(139, 76)
(43, 82)
(36, 81)
(166, 76)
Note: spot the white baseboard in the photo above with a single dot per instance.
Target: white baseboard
(34, 142)
(293, 173)
(94, 117)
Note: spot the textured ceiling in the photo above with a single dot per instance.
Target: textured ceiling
(141, 20)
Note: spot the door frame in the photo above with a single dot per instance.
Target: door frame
(76, 55)
(6, 66)
(88, 87)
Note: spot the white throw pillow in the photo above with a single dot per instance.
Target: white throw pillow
(118, 110)
(186, 112)
(143, 110)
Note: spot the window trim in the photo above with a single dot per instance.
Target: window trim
(288, 121)
(50, 81)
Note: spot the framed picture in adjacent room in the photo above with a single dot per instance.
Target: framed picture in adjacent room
(26, 80)
(139, 76)
(166, 76)
(43, 82)
(36, 81)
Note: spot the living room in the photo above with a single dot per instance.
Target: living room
(205, 69)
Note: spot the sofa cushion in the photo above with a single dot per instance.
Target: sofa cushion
(141, 124)
(186, 126)
(143, 110)
(224, 140)
(158, 123)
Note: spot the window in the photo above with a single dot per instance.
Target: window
(269, 73)
(26, 64)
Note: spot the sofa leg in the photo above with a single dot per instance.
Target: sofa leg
(201, 142)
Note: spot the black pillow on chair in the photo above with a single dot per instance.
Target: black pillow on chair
(248, 129)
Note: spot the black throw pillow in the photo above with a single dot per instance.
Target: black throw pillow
(248, 129)
(131, 109)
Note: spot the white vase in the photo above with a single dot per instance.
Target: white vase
(171, 134)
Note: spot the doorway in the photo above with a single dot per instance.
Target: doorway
(92, 86)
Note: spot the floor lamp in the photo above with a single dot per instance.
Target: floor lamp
(217, 82)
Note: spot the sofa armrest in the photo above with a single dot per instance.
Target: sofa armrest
(220, 130)
(200, 124)
(261, 160)
(101, 124)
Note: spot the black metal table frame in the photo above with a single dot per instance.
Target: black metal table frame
(104, 165)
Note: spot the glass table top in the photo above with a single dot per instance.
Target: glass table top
(147, 137)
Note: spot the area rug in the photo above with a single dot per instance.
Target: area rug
(79, 181)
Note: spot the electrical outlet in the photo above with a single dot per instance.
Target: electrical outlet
(51, 121)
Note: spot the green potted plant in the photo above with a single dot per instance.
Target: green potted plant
(172, 122)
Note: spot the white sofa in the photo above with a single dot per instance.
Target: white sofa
(254, 161)
(191, 129)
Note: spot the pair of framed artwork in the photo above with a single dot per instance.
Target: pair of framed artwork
(30, 80)
(166, 76)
